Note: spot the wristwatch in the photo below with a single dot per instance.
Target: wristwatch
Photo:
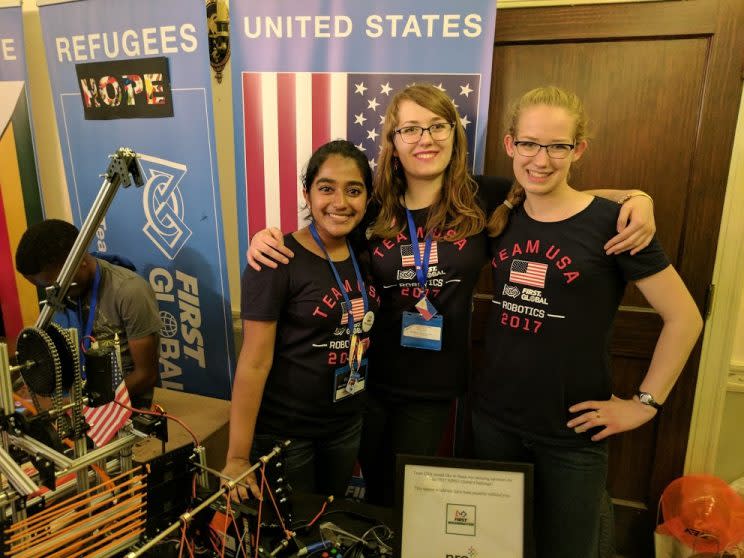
(648, 399)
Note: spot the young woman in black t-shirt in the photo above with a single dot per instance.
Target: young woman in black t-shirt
(544, 395)
(420, 357)
(301, 371)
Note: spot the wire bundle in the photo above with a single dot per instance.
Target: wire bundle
(93, 523)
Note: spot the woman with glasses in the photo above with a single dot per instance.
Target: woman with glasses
(421, 341)
(544, 394)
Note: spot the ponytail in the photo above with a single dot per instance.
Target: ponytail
(500, 217)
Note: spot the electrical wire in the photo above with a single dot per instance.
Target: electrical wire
(166, 415)
(228, 511)
(380, 542)
(237, 536)
(91, 339)
(182, 541)
(287, 532)
(260, 508)
(327, 501)
(240, 540)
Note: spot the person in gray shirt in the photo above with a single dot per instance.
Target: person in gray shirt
(122, 302)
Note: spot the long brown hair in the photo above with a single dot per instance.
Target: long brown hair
(456, 209)
(551, 96)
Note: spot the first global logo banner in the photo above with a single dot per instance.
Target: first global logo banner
(136, 74)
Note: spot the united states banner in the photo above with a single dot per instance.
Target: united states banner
(286, 116)
(406, 254)
(528, 273)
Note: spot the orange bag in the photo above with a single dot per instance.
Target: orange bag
(703, 512)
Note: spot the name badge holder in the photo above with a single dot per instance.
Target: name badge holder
(349, 379)
(421, 329)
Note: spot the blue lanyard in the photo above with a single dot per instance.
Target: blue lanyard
(93, 302)
(360, 281)
(422, 269)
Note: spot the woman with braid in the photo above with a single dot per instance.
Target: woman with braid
(544, 394)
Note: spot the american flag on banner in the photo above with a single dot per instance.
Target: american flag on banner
(406, 254)
(286, 116)
(528, 273)
(357, 310)
(106, 420)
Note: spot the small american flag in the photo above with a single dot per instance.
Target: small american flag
(528, 273)
(106, 420)
(406, 254)
(357, 310)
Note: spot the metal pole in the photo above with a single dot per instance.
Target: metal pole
(117, 173)
(110, 449)
(82, 474)
(100, 206)
(6, 384)
(125, 454)
(30, 445)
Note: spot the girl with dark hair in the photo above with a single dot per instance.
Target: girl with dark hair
(421, 355)
(302, 367)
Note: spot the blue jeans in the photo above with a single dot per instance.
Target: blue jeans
(321, 465)
(570, 485)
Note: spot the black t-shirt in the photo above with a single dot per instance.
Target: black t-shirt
(312, 341)
(556, 294)
(409, 373)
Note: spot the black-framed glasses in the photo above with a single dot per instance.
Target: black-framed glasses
(438, 131)
(554, 150)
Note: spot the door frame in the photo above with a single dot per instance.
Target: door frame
(720, 328)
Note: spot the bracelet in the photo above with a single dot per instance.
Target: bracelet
(626, 197)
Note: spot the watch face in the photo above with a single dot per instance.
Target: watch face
(648, 399)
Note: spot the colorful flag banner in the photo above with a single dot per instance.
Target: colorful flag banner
(306, 72)
(137, 74)
(20, 199)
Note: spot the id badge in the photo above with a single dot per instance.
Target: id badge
(346, 384)
(420, 333)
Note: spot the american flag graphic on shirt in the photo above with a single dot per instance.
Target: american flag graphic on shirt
(406, 254)
(286, 116)
(357, 310)
(528, 273)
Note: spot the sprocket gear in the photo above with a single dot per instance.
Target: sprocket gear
(38, 355)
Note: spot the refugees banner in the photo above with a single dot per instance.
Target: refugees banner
(20, 200)
(306, 72)
(136, 74)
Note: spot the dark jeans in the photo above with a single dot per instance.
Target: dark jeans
(321, 465)
(393, 427)
(569, 490)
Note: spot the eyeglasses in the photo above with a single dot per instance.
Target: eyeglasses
(554, 150)
(438, 131)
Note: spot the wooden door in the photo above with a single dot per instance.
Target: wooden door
(661, 83)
